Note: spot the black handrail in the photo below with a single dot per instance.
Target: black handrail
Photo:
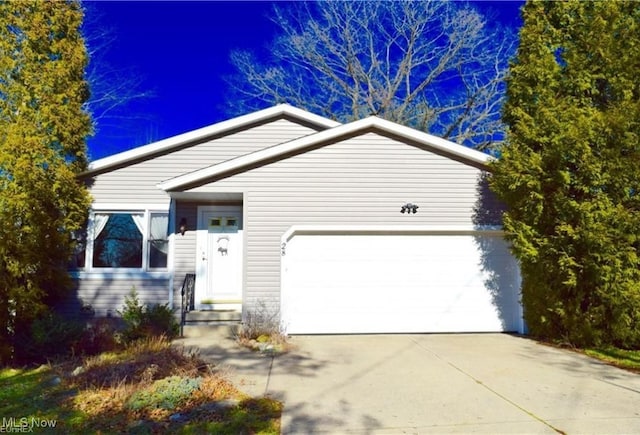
(188, 298)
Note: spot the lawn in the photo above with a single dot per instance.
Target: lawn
(149, 387)
(626, 359)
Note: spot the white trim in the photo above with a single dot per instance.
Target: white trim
(112, 206)
(125, 209)
(245, 248)
(388, 229)
(220, 128)
(172, 248)
(355, 128)
(92, 275)
(226, 196)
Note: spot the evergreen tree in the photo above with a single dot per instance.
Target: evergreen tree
(570, 173)
(42, 148)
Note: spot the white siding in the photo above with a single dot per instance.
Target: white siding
(185, 248)
(106, 295)
(360, 181)
(136, 184)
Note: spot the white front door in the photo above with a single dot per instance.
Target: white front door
(219, 258)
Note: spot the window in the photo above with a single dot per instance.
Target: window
(158, 243)
(117, 240)
(131, 240)
(224, 224)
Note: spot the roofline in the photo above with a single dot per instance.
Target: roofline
(221, 128)
(356, 128)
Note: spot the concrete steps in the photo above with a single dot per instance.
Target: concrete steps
(208, 330)
(214, 316)
(204, 323)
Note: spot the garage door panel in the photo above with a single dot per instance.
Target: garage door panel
(387, 283)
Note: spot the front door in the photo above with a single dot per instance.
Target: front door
(219, 258)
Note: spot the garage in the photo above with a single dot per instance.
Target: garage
(404, 281)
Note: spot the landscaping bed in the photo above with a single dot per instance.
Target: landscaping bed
(149, 387)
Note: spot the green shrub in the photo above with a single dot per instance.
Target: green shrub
(49, 336)
(165, 393)
(569, 172)
(142, 321)
(98, 336)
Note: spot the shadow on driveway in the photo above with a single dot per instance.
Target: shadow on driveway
(432, 383)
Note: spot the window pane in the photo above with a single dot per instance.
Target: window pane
(158, 243)
(158, 253)
(119, 242)
(78, 238)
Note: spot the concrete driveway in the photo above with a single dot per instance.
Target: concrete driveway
(394, 384)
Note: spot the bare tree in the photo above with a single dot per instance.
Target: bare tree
(433, 65)
(112, 90)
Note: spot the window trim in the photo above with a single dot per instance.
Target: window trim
(146, 212)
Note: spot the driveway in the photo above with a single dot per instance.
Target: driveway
(393, 384)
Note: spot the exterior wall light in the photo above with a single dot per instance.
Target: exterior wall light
(182, 226)
(409, 208)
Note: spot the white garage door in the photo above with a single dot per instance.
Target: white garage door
(399, 283)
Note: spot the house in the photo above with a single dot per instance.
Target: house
(365, 227)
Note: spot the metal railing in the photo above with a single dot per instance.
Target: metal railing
(188, 298)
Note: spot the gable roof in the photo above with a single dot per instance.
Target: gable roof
(219, 129)
(374, 124)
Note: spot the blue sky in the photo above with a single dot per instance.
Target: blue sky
(180, 51)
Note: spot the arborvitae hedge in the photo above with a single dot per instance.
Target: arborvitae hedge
(570, 172)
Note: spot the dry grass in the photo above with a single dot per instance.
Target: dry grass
(141, 362)
(274, 343)
(103, 387)
(261, 331)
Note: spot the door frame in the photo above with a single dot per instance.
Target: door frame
(202, 240)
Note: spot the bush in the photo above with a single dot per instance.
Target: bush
(99, 336)
(165, 393)
(261, 322)
(262, 331)
(53, 336)
(142, 321)
(49, 336)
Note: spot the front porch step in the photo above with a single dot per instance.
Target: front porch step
(207, 330)
(203, 323)
(214, 316)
